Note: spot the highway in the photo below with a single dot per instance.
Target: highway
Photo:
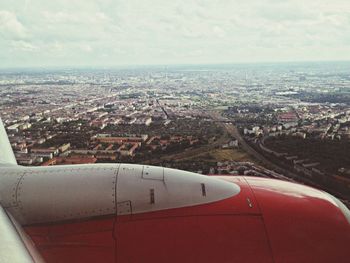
(232, 130)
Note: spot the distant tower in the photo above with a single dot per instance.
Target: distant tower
(166, 73)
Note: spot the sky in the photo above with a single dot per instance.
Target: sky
(107, 33)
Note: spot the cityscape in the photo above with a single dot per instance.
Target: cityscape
(289, 121)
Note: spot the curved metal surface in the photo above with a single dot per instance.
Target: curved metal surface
(60, 193)
(165, 188)
(10, 179)
(65, 193)
(303, 224)
(289, 222)
(12, 248)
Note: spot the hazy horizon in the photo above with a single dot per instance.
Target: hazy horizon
(185, 65)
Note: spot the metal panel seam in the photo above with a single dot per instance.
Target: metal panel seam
(114, 230)
(262, 219)
(18, 188)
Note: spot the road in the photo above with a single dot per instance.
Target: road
(273, 166)
(233, 131)
(247, 148)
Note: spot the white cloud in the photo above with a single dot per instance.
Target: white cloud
(177, 31)
(86, 48)
(20, 45)
(10, 27)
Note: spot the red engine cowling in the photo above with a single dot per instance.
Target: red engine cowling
(267, 221)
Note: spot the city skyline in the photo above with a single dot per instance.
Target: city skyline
(117, 33)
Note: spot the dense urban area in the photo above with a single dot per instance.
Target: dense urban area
(285, 121)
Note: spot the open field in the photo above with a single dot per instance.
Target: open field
(217, 155)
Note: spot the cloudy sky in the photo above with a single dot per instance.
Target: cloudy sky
(140, 32)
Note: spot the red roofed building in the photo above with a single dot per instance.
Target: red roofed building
(287, 117)
(70, 160)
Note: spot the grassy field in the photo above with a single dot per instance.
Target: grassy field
(230, 154)
(218, 155)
